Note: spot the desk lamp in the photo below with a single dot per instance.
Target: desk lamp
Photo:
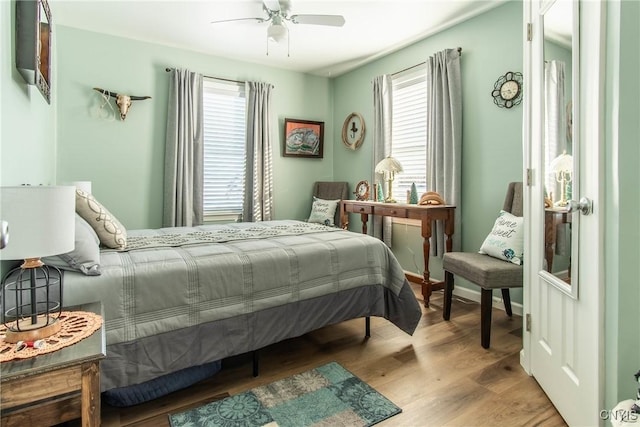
(389, 167)
(562, 166)
(41, 222)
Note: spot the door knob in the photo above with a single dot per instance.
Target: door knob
(585, 206)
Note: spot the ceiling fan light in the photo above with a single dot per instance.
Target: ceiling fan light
(277, 32)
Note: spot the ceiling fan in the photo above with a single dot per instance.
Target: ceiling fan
(277, 14)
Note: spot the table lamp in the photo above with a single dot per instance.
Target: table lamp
(41, 222)
(562, 166)
(389, 167)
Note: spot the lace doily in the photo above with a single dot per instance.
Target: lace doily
(75, 326)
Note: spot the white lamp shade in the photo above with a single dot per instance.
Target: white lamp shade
(82, 185)
(41, 221)
(562, 163)
(388, 164)
(277, 32)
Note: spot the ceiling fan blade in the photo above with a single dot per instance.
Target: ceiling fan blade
(331, 20)
(272, 5)
(238, 19)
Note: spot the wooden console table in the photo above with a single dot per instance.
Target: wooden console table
(425, 213)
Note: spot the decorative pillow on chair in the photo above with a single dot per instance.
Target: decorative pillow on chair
(323, 211)
(506, 240)
(111, 233)
(85, 257)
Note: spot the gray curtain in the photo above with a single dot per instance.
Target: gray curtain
(258, 182)
(382, 113)
(444, 138)
(183, 168)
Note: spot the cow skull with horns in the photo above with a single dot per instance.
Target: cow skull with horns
(122, 101)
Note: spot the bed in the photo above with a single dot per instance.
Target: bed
(177, 298)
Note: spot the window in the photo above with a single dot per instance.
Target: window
(409, 130)
(224, 117)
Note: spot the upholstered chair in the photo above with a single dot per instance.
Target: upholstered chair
(332, 191)
(487, 272)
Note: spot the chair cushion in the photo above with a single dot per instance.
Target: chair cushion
(483, 270)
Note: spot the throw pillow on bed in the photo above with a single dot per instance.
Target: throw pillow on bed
(323, 211)
(506, 240)
(110, 231)
(85, 257)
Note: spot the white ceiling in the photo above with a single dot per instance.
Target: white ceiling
(372, 28)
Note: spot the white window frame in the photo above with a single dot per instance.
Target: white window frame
(224, 134)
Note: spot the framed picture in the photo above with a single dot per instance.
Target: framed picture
(303, 138)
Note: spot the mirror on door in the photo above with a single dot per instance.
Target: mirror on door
(560, 142)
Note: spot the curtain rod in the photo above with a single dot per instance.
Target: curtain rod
(210, 77)
(417, 65)
(216, 78)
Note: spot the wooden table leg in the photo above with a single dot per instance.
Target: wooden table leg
(549, 238)
(90, 400)
(364, 218)
(448, 229)
(427, 284)
(426, 248)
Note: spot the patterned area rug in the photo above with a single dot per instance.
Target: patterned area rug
(325, 396)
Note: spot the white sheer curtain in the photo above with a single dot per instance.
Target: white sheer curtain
(183, 168)
(382, 114)
(444, 138)
(258, 199)
(555, 135)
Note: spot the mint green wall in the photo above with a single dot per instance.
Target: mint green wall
(492, 137)
(125, 159)
(27, 128)
(622, 226)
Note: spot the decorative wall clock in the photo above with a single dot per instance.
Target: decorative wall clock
(507, 91)
(353, 131)
(362, 190)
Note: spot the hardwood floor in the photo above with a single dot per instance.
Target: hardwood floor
(439, 376)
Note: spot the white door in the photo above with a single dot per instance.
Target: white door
(564, 273)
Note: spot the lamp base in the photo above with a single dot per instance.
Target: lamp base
(32, 332)
(389, 198)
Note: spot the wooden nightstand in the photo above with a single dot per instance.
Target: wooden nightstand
(55, 387)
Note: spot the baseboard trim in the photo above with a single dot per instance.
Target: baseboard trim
(474, 295)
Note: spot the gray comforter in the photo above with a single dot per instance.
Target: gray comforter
(230, 289)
